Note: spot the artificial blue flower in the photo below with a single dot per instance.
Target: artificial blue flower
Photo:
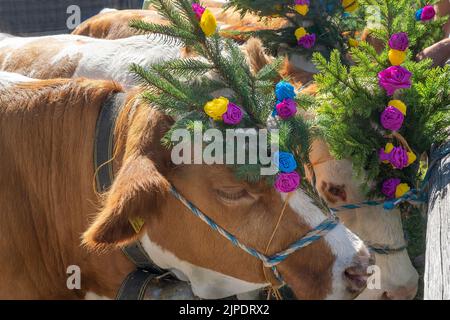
(284, 90)
(419, 14)
(285, 161)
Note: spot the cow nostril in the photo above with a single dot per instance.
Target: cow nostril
(402, 293)
(356, 278)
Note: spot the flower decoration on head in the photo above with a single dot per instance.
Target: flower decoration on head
(394, 78)
(393, 116)
(393, 188)
(198, 10)
(233, 115)
(285, 161)
(350, 5)
(287, 182)
(398, 43)
(207, 20)
(302, 7)
(286, 106)
(284, 90)
(221, 109)
(426, 13)
(287, 179)
(398, 157)
(305, 39)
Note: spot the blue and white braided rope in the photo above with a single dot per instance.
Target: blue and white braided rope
(414, 196)
(272, 261)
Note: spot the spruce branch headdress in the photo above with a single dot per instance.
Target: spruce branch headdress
(386, 110)
(183, 89)
(312, 25)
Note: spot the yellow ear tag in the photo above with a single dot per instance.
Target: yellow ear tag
(137, 224)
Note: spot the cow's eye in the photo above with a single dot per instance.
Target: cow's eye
(234, 195)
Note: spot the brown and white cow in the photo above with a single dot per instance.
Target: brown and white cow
(114, 24)
(258, 59)
(337, 185)
(67, 56)
(49, 206)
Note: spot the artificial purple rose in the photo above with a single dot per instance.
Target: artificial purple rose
(394, 78)
(302, 2)
(399, 158)
(428, 13)
(392, 118)
(287, 182)
(383, 155)
(198, 10)
(399, 41)
(233, 115)
(389, 187)
(307, 41)
(286, 108)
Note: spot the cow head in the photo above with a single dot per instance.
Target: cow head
(333, 267)
(336, 183)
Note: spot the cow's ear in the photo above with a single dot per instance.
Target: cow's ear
(137, 191)
(256, 56)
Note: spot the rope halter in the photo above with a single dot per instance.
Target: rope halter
(268, 261)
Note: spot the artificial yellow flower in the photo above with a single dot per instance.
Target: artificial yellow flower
(216, 108)
(353, 43)
(388, 149)
(411, 158)
(208, 23)
(397, 57)
(300, 33)
(350, 5)
(302, 9)
(399, 105)
(401, 189)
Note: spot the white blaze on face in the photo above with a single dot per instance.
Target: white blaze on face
(343, 243)
(373, 224)
(90, 295)
(9, 79)
(205, 283)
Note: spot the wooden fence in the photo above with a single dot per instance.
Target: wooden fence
(437, 256)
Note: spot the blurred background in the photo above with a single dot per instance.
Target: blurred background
(41, 17)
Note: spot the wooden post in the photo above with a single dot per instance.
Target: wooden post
(437, 256)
